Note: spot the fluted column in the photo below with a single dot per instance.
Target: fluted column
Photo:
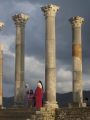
(1, 69)
(20, 21)
(50, 55)
(76, 23)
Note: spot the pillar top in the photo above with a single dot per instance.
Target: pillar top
(20, 18)
(1, 25)
(76, 21)
(50, 10)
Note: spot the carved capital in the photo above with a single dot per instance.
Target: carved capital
(50, 10)
(20, 19)
(1, 25)
(76, 21)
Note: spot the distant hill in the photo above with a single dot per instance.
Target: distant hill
(62, 99)
(66, 98)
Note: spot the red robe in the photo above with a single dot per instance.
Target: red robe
(38, 97)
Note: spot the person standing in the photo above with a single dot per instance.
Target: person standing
(38, 95)
(31, 98)
(27, 99)
(26, 95)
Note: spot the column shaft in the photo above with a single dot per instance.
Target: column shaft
(1, 69)
(77, 59)
(50, 55)
(19, 65)
(77, 66)
(1, 78)
(20, 21)
(50, 60)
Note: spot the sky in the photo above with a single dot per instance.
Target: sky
(35, 42)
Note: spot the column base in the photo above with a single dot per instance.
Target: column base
(1, 107)
(51, 104)
(70, 105)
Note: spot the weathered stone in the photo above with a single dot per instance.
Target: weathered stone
(77, 59)
(52, 114)
(20, 20)
(1, 68)
(50, 57)
(73, 114)
(1, 75)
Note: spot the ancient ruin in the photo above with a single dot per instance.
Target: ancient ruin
(20, 21)
(76, 23)
(1, 68)
(50, 57)
(50, 111)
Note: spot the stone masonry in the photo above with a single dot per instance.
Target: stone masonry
(1, 67)
(45, 114)
(76, 23)
(1, 75)
(50, 55)
(20, 21)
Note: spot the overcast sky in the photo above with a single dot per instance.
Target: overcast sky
(35, 42)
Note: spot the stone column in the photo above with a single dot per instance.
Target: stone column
(1, 75)
(50, 55)
(20, 21)
(1, 69)
(77, 59)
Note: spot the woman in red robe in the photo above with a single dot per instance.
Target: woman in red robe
(38, 95)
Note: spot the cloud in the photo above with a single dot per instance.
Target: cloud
(26, 7)
(7, 41)
(8, 90)
(64, 80)
(86, 81)
(64, 87)
(35, 40)
(64, 75)
(34, 71)
(8, 73)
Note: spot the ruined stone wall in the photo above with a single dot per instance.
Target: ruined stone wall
(27, 114)
(73, 114)
(46, 114)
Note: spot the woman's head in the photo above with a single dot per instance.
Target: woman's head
(40, 84)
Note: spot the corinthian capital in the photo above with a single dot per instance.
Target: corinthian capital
(50, 10)
(76, 21)
(20, 18)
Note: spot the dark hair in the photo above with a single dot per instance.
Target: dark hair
(31, 91)
(27, 92)
(41, 83)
